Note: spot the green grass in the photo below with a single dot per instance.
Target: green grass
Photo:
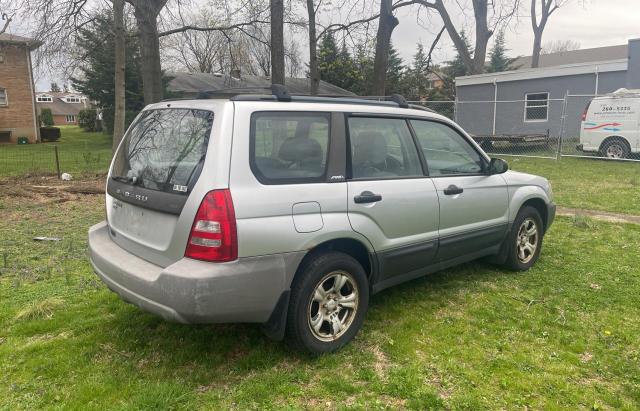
(588, 183)
(79, 152)
(565, 335)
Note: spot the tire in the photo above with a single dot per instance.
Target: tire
(336, 323)
(615, 148)
(519, 256)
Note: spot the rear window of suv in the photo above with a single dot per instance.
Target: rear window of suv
(289, 147)
(164, 150)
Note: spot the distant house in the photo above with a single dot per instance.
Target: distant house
(435, 81)
(190, 84)
(17, 103)
(532, 100)
(65, 106)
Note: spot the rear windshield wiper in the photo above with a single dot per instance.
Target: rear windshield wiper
(125, 179)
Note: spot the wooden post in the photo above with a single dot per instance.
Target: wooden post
(55, 150)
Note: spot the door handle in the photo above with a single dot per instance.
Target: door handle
(367, 197)
(453, 189)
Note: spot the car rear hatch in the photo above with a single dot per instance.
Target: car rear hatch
(154, 186)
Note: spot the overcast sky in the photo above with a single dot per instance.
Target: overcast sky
(592, 23)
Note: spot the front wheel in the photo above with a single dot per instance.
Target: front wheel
(329, 301)
(525, 240)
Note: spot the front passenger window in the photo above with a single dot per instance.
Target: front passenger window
(382, 148)
(446, 151)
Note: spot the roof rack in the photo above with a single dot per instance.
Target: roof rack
(279, 92)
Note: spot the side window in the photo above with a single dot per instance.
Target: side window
(288, 147)
(536, 107)
(382, 148)
(445, 150)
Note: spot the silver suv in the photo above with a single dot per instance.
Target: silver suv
(291, 211)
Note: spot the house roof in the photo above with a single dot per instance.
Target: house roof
(13, 39)
(193, 83)
(575, 57)
(62, 108)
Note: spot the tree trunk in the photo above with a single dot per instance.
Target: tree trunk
(537, 48)
(383, 40)
(277, 42)
(483, 34)
(146, 13)
(314, 74)
(120, 57)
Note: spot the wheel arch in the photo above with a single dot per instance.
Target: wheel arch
(614, 137)
(540, 205)
(358, 249)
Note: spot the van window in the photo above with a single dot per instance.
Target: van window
(164, 150)
(289, 147)
(536, 107)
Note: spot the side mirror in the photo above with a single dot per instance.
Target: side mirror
(498, 166)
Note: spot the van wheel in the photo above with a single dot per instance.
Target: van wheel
(525, 240)
(615, 148)
(329, 301)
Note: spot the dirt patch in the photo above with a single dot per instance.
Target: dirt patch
(381, 362)
(44, 190)
(600, 215)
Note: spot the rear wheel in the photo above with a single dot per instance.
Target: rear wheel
(615, 148)
(329, 301)
(525, 240)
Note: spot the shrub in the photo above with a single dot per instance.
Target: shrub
(46, 117)
(87, 119)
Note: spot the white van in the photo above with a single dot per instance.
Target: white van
(611, 124)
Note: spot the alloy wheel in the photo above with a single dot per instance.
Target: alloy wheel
(333, 306)
(527, 240)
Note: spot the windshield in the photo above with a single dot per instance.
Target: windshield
(164, 150)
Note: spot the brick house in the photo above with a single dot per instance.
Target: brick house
(17, 101)
(64, 106)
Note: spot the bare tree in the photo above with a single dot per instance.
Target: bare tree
(485, 23)
(146, 13)
(387, 23)
(7, 20)
(120, 61)
(277, 42)
(559, 46)
(547, 7)
(314, 72)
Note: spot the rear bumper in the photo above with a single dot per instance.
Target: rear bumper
(193, 291)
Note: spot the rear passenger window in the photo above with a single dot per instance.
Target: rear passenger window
(382, 148)
(289, 147)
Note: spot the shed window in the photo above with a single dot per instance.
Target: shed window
(536, 107)
(3, 97)
(5, 136)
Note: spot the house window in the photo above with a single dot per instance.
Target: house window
(5, 136)
(73, 100)
(71, 118)
(44, 99)
(4, 101)
(536, 107)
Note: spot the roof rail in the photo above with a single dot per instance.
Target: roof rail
(279, 92)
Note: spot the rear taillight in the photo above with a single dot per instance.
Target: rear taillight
(213, 235)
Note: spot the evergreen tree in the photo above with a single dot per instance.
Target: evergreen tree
(96, 79)
(498, 60)
(456, 67)
(328, 59)
(395, 72)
